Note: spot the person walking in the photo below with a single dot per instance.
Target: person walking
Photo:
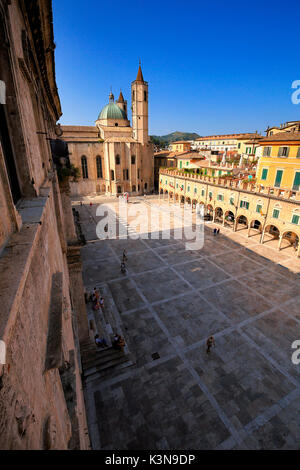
(123, 268)
(210, 343)
(124, 257)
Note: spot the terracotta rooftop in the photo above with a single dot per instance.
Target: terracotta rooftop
(228, 136)
(282, 137)
(180, 142)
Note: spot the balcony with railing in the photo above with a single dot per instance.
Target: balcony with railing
(228, 181)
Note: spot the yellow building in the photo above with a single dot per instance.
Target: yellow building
(268, 215)
(194, 161)
(247, 145)
(224, 142)
(180, 146)
(279, 165)
(290, 126)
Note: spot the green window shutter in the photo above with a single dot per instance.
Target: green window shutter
(247, 205)
(187, 163)
(298, 153)
(275, 213)
(264, 174)
(220, 172)
(241, 204)
(213, 172)
(189, 189)
(278, 178)
(232, 201)
(296, 184)
(195, 190)
(205, 171)
(202, 192)
(295, 219)
(258, 208)
(180, 164)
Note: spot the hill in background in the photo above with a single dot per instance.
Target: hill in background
(173, 137)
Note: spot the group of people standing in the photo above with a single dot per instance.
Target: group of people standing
(98, 301)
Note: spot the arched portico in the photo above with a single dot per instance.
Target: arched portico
(241, 223)
(219, 215)
(255, 229)
(289, 242)
(271, 235)
(229, 219)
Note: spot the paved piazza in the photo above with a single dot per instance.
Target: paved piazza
(246, 393)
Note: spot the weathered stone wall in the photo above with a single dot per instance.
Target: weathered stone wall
(41, 297)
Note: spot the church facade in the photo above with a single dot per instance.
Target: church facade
(113, 156)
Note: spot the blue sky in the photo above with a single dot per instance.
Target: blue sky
(212, 67)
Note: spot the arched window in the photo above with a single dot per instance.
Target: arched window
(132, 159)
(99, 166)
(112, 175)
(118, 159)
(146, 186)
(133, 188)
(84, 167)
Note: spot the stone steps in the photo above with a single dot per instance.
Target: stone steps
(101, 361)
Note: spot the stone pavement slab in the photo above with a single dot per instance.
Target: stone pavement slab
(243, 395)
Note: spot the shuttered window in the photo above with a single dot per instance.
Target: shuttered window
(244, 204)
(278, 178)
(267, 151)
(276, 213)
(295, 219)
(283, 152)
(258, 208)
(298, 153)
(296, 184)
(264, 174)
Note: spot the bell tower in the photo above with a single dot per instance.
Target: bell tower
(139, 97)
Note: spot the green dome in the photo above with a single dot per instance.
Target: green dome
(112, 111)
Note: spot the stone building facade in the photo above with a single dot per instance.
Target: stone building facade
(113, 156)
(271, 215)
(42, 316)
